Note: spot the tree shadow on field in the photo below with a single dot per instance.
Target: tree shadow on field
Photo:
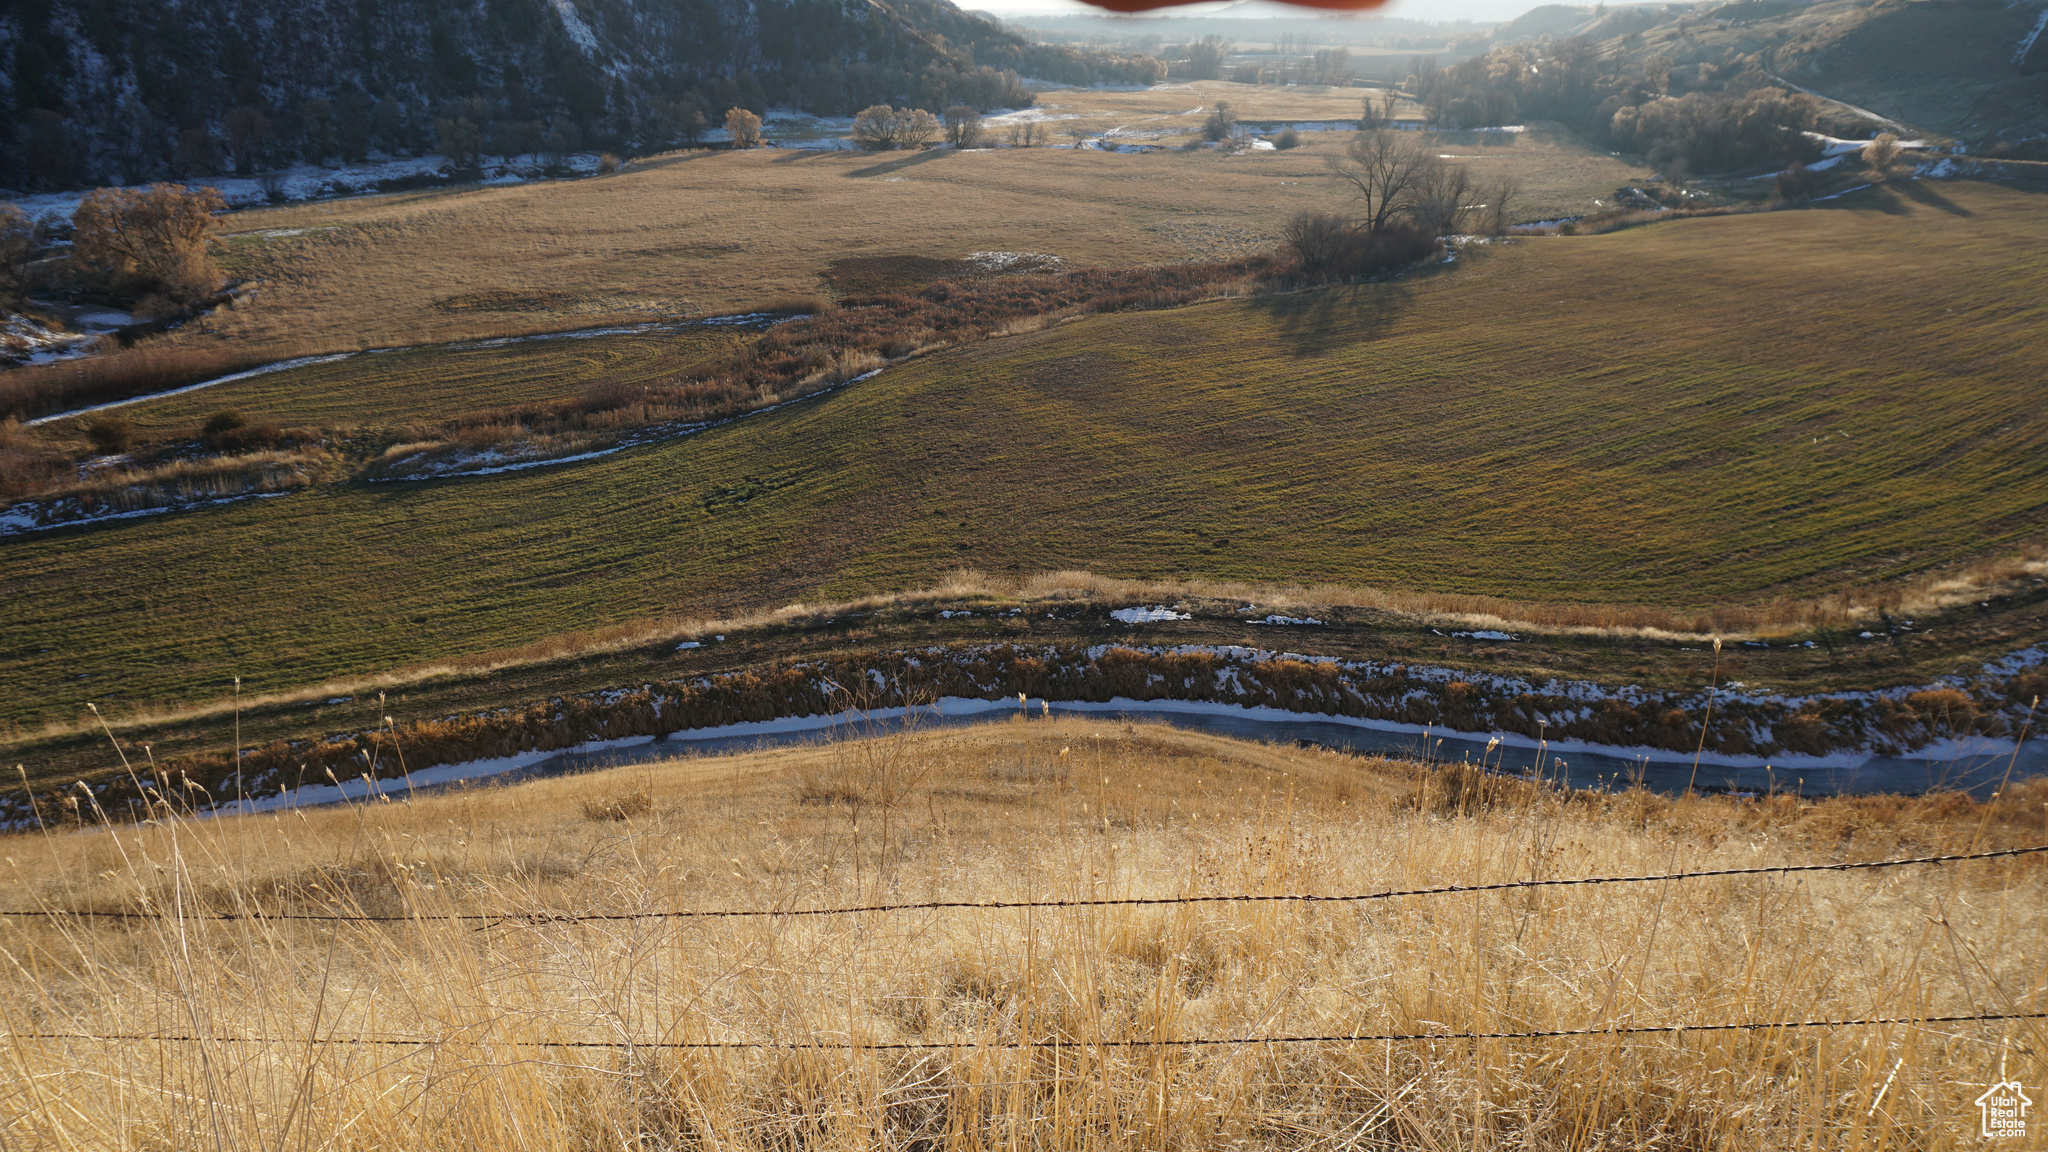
(682, 156)
(1924, 192)
(1898, 198)
(1320, 320)
(924, 156)
(793, 155)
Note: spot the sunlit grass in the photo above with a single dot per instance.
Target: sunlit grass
(1034, 811)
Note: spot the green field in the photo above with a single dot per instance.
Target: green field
(1710, 410)
(397, 387)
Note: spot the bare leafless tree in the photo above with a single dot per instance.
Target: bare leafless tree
(17, 244)
(1320, 241)
(743, 128)
(963, 126)
(152, 239)
(874, 127)
(1441, 193)
(879, 127)
(1385, 167)
(916, 128)
(1499, 194)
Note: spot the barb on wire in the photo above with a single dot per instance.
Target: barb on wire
(489, 919)
(1058, 1042)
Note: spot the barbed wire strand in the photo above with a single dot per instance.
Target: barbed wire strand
(1012, 1045)
(534, 918)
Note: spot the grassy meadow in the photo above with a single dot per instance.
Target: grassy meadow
(1721, 410)
(1028, 810)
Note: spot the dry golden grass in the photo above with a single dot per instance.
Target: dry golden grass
(1029, 810)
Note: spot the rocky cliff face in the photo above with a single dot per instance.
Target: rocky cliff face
(103, 91)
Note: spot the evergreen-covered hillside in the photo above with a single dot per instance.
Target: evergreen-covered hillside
(105, 91)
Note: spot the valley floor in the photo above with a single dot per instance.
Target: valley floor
(1693, 414)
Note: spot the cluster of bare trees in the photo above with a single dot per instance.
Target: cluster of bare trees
(880, 127)
(1407, 197)
(1398, 176)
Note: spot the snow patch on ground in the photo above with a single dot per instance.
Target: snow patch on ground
(572, 23)
(310, 182)
(102, 321)
(1288, 620)
(1487, 634)
(22, 518)
(24, 341)
(280, 366)
(362, 788)
(1004, 261)
(1029, 116)
(1154, 615)
(2027, 41)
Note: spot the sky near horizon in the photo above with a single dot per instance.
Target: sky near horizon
(1486, 10)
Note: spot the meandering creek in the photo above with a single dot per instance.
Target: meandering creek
(1978, 769)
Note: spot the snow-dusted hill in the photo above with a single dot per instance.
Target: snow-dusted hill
(106, 91)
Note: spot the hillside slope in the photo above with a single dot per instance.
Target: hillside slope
(1976, 70)
(119, 90)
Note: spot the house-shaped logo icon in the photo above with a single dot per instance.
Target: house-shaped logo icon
(2004, 1108)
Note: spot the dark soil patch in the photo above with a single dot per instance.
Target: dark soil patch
(506, 300)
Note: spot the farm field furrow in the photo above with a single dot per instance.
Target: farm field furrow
(1712, 410)
(383, 388)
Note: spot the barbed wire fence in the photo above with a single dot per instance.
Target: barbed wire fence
(538, 919)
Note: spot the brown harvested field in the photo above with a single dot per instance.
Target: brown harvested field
(716, 232)
(1179, 109)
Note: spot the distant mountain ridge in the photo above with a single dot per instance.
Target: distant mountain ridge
(104, 91)
(1974, 70)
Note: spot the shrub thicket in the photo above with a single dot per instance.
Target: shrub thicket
(148, 241)
(110, 435)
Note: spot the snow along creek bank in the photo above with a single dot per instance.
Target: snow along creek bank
(1958, 732)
